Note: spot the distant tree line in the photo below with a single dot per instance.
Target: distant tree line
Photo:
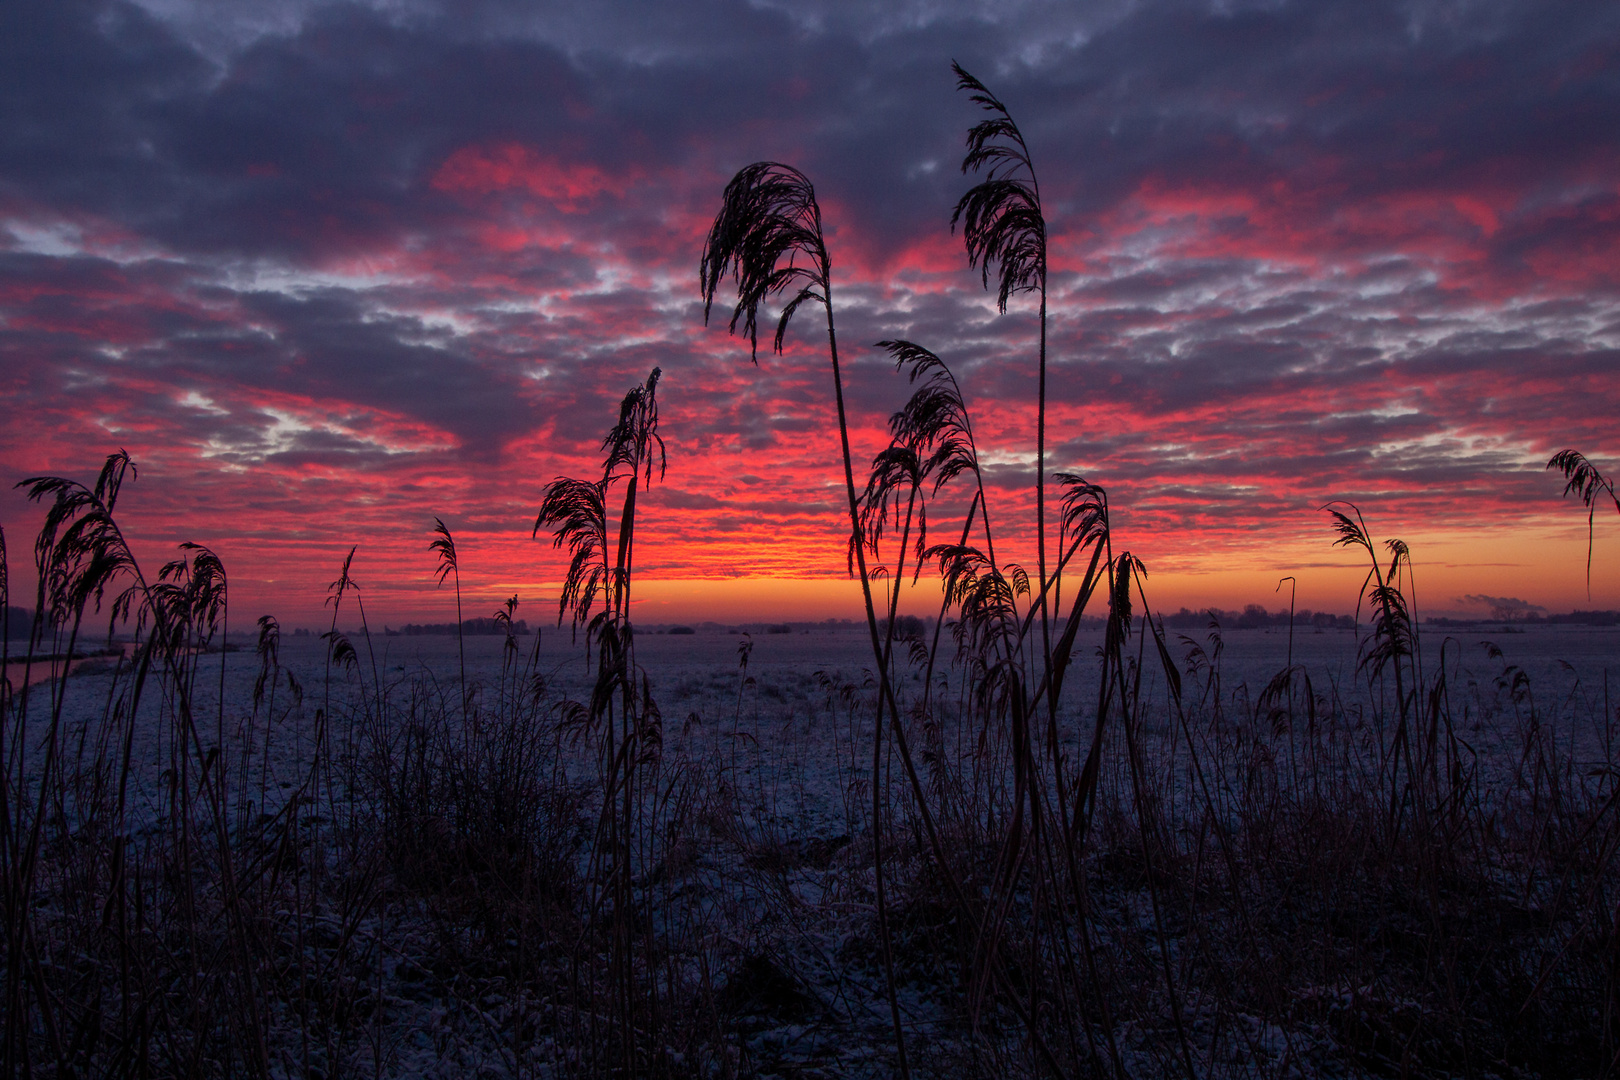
(470, 627)
(1255, 617)
(1574, 618)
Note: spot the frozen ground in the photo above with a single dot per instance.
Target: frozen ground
(701, 672)
(788, 739)
(700, 675)
(792, 729)
(787, 696)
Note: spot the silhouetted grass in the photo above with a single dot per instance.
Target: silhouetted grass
(1584, 479)
(1022, 841)
(1320, 881)
(1050, 857)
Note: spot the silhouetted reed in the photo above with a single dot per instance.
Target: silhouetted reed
(1583, 479)
(444, 546)
(1023, 832)
(626, 727)
(767, 238)
(1070, 851)
(1171, 878)
(125, 946)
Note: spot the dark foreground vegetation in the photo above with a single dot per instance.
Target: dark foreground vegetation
(1058, 862)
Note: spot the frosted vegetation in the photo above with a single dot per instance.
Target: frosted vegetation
(1035, 834)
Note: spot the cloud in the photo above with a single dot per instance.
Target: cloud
(1297, 251)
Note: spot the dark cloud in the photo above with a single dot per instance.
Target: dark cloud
(1298, 250)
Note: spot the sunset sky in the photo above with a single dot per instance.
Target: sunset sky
(328, 271)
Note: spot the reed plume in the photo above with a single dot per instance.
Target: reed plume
(767, 237)
(444, 546)
(1004, 225)
(1584, 480)
(622, 713)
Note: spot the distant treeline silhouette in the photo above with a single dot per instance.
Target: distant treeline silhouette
(474, 627)
(1574, 618)
(1254, 617)
(18, 620)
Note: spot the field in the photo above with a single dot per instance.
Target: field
(421, 895)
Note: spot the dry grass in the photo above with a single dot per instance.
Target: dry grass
(1102, 904)
(1047, 862)
(1292, 887)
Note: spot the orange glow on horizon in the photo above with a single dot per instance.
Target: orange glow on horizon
(1539, 565)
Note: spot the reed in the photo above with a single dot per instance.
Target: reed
(195, 998)
(444, 546)
(1074, 848)
(1020, 833)
(1189, 881)
(767, 237)
(622, 718)
(1583, 480)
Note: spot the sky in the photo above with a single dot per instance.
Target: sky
(330, 271)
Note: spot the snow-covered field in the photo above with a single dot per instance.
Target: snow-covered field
(774, 882)
(699, 682)
(784, 708)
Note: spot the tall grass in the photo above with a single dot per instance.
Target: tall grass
(767, 237)
(1071, 846)
(125, 944)
(444, 546)
(1583, 480)
(623, 722)
(1026, 832)
(1320, 880)
(236, 906)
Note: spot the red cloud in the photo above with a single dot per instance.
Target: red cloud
(572, 187)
